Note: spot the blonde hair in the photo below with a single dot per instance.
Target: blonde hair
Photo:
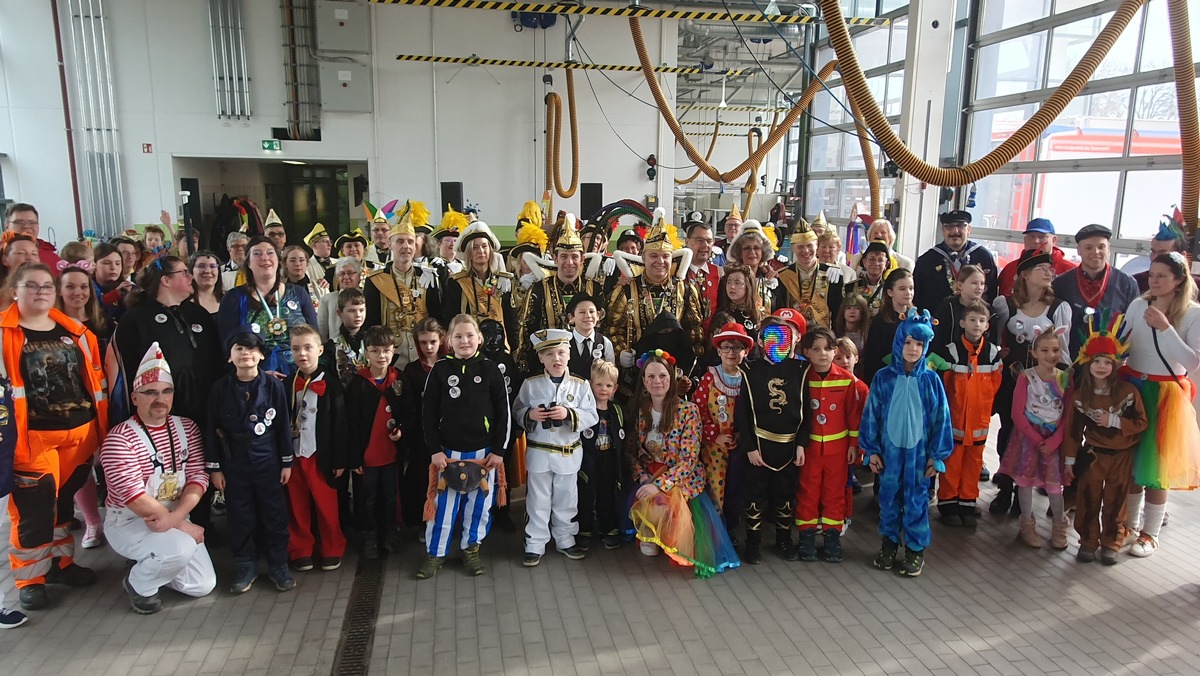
(827, 237)
(464, 319)
(1185, 293)
(846, 345)
(73, 252)
(604, 369)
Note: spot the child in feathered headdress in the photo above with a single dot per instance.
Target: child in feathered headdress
(1108, 412)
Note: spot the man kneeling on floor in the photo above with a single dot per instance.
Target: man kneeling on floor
(154, 465)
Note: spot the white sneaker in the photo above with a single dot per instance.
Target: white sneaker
(648, 549)
(93, 536)
(1145, 546)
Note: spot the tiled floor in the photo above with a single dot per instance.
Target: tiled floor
(984, 605)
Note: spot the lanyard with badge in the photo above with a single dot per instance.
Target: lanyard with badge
(169, 489)
(276, 324)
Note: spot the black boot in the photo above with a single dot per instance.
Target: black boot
(808, 544)
(966, 512)
(913, 563)
(949, 514)
(887, 555)
(1003, 501)
(753, 555)
(784, 545)
(833, 545)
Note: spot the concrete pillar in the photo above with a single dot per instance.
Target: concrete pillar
(927, 61)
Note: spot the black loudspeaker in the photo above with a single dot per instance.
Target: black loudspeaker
(452, 194)
(591, 199)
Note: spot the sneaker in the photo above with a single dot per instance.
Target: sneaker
(584, 542)
(11, 619)
(807, 551)
(1108, 557)
(887, 555)
(282, 578)
(218, 503)
(531, 559)
(93, 536)
(833, 545)
(574, 552)
(855, 485)
(1085, 555)
(34, 597)
(913, 563)
(74, 575)
(331, 563)
(968, 517)
(612, 541)
(648, 549)
(370, 548)
(984, 474)
(471, 560)
(302, 564)
(142, 605)
(1144, 546)
(244, 578)
(430, 567)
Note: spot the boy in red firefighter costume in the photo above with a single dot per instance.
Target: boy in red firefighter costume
(835, 410)
(972, 376)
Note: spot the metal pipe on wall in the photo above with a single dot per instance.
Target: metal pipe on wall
(243, 68)
(67, 117)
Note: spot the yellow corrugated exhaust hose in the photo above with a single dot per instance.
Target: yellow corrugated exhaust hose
(554, 140)
(1189, 126)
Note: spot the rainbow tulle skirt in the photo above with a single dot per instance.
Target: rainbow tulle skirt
(689, 531)
(1168, 455)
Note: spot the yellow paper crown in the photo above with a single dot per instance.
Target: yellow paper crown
(660, 238)
(735, 213)
(568, 238)
(803, 234)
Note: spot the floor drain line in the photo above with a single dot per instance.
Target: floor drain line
(358, 627)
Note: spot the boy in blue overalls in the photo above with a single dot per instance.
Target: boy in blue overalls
(248, 444)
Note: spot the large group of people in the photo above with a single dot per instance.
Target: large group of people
(687, 391)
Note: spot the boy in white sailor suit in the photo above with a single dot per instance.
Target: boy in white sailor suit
(154, 467)
(553, 408)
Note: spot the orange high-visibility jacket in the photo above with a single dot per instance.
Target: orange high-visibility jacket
(971, 383)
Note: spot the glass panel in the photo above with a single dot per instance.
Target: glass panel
(827, 108)
(1002, 201)
(894, 93)
(1148, 195)
(826, 152)
(899, 44)
(1001, 14)
(1061, 6)
(990, 128)
(820, 195)
(1057, 198)
(1010, 67)
(1156, 48)
(1155, 121)
(871, 47)
(854, 191)
(886, 6)
(854, 156)
(1091, 126)
(1072, 40)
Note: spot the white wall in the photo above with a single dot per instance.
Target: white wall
(487, 135)
(32, 124)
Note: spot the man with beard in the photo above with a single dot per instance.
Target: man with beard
(937, 269)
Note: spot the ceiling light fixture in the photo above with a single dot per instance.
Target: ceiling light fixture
(293, 162)
(723, 103)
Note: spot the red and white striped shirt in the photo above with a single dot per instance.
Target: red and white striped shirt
(126, 459)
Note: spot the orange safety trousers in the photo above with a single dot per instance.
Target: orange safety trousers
(821, 497)
(960, 482)
(42, 502)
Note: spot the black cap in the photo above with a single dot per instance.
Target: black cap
(579, 298)
(1093, 230)
(878, 246)
(956, 216)
(246, 335)
(630, 235)
(1031, 258)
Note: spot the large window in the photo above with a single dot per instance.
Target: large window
(1111, 157)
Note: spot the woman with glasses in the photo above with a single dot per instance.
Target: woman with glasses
(58, 406)
(347, 275)
(207, 286)
(269, 301)
(753, 250)
(1031, 310)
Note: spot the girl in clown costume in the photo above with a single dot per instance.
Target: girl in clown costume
(906, 436)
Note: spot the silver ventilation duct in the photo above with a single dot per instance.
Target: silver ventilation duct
(96, 140)
(231, 78)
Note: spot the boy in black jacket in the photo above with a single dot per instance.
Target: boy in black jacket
(318, 426)
(248, 453)
(493, 348)
(373, 406)
(465, 417)
(600, 472)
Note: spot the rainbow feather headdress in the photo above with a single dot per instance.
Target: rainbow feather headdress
(1107, 336)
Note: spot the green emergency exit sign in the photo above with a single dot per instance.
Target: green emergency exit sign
(272, 144)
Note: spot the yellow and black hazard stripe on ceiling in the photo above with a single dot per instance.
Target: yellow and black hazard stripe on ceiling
(574, 65)
(626, 11)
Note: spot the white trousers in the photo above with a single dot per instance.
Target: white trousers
(551, 502)
(171, 559)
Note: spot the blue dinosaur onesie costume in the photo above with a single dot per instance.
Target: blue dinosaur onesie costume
(906, 423)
